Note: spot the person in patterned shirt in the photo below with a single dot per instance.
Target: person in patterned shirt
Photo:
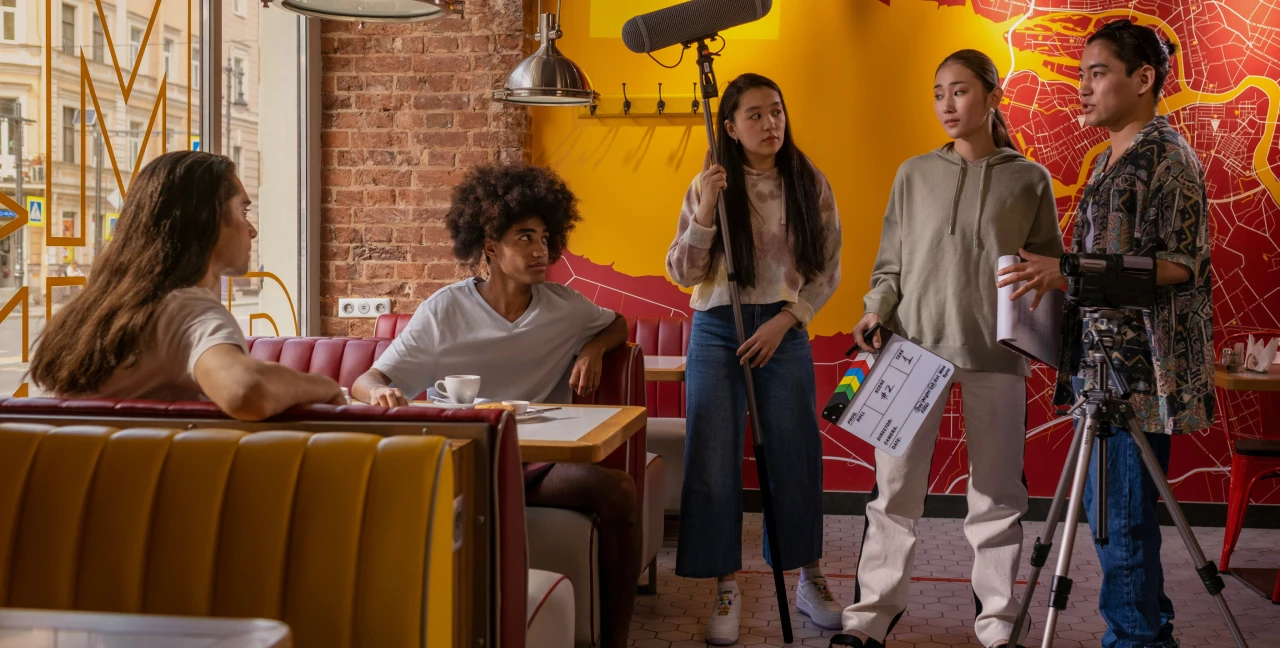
(1146, 194)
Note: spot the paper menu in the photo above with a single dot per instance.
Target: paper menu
(884, 397)
(1035, 335)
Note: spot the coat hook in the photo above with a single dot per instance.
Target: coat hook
(626, 103)
(695, 99)
(662, 105)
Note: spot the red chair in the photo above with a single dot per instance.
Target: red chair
(666, 336)
(1252, 461)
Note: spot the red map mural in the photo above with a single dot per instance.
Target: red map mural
(1223, 97)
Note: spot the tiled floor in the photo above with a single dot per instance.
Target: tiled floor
(940, 612)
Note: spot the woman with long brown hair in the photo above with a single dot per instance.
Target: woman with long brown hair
(149, 324)
(786, 253)
(952, 213)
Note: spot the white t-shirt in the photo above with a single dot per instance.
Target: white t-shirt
(456, 332)
(190, 321)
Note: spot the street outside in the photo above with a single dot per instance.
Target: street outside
(12, 369)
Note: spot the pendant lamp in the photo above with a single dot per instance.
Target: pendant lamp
(547, 78)
(373, 10)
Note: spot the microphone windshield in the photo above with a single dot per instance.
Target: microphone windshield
(689, 21)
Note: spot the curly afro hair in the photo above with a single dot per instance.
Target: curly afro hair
(493, 198)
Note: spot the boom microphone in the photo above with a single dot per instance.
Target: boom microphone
(689, 21)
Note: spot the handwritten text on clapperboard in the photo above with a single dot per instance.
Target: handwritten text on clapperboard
(904, 390)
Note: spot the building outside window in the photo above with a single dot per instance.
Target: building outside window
(8, 106)
(68, 29)
(135, 44)
(99, 40)
(238, 68)
(68, 134)
(9, 20)
(135, 140)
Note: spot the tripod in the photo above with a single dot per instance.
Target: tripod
(707, 84)
(1098, 412)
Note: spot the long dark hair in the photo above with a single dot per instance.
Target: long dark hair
(800, 184)
(1137, 46)
(984, 68)
(165, 238)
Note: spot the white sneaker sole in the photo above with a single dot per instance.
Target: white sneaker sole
(722, 641)
(825, 624)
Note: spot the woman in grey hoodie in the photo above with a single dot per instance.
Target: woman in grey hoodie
(952, 213)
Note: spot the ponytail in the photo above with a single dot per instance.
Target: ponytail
(1000, 131)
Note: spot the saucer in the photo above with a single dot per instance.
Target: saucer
(448, 404)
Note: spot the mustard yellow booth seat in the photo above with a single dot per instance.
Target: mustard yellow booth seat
(347, 538)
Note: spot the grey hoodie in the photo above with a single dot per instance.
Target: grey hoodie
(947, 223)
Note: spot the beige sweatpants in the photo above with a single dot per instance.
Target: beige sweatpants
(995, 422)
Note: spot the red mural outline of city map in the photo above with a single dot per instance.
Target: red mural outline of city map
(1223, 97)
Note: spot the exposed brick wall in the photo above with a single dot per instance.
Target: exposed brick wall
(407, 109)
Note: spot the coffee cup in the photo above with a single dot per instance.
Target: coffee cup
(459, 389)
(519, 406)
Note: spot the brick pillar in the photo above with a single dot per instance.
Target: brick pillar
(407, 109)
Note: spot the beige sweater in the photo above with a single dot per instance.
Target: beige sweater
(777, 279)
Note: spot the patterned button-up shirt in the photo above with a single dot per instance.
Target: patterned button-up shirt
(1153, 198)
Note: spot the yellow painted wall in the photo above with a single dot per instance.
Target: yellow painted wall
(857, 77)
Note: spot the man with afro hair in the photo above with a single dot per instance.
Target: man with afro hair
(528, 340)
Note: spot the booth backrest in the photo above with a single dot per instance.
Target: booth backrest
(390, 325)
(663, 336)
(498, 536)
(622, 383)
(342, 359)
(325, 532)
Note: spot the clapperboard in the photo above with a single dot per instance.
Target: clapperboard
(885, 396)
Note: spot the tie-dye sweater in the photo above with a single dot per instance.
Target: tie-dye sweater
(777, 279)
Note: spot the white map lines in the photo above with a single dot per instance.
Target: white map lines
(575, 281)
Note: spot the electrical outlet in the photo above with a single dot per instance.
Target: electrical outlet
(363, 306)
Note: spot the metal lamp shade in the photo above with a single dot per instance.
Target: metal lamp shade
(372, 10)
(548, 78)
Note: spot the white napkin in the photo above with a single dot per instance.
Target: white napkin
(1258, 357)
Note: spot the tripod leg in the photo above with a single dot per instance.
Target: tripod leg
(1040, 551)
(1100, 502)
(1205, 568)
(1060, 589)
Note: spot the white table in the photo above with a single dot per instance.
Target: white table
(578, 433)
(664, 368)
(59, 629)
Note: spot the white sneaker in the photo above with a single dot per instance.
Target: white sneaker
(815, 600)
(722, 626)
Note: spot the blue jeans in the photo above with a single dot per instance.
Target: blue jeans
(715, 427)
(1132, 599)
